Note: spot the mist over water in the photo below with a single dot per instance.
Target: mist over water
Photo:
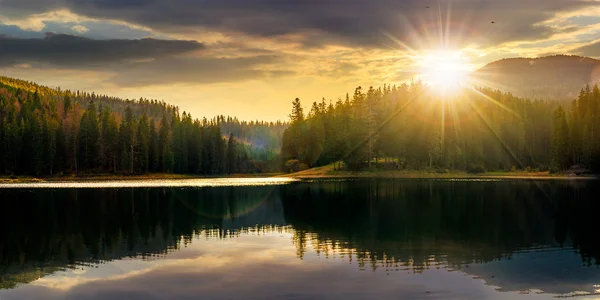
(330, 239)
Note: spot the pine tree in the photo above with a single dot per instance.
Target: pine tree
(112, 140)
(560, 140)
(61, 150)
(36, 145)
(142, 145)
(49, 143)
(105, 141)
(231, 155)
(66, 104)
(88, 139)
(164, 149)
(127, 141)
(575, 135)
(153, 156)
(297, 111)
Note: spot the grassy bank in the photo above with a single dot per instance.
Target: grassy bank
(329, 172)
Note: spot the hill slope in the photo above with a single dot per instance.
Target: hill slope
(558, 77)
(45, 131)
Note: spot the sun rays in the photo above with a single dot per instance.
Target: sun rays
(447, 71)
(444, 70)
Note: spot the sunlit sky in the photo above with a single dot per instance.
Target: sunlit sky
(251, 58)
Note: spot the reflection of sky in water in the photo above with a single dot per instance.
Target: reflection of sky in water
(557, 271)
(196, 183)
(318, 240)
(259, 265)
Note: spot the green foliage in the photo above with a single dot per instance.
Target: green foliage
(294, 165)
(579, 134)
(88, 138)
(475, 169)
(560, 140)
(231, 165)
(414, 126)
(297, 111)
(46, 131)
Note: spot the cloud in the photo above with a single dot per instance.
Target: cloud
(358, 23)
(270, 274)
(206, 70)
(138, 62)
(72, 51)
(336, 43)
(80, 29)
(38, 22)
(592, 50)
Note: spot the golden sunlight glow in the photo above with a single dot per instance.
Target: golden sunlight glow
(444, 70)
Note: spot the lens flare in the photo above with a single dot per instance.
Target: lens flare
(444, 70)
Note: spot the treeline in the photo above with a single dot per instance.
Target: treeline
(416, 127)
(576, 132)
(262, 139)
(46, 131)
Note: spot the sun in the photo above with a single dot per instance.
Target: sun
(444, 70)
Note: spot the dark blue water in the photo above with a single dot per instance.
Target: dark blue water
(335, 239)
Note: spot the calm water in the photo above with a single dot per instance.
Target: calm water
(336, 239)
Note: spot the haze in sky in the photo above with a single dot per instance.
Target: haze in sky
(251, 58)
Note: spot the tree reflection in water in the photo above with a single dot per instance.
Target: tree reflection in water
(394, 225)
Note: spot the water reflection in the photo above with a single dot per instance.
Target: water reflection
(194, 182)
(515, 236)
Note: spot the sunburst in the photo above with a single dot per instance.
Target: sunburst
(444, 70)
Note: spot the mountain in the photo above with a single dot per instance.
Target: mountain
(559, 77)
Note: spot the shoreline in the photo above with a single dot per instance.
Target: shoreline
(112, 177)
(311, 174)
(442, 176)
(327, 172)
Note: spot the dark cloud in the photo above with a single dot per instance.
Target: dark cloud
(137, 62)
(316, 23)
(73, 51)
(592, 50)
(350, 22)
(198, 70)
(16, 8)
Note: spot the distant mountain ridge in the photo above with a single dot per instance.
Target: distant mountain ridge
(559, 77)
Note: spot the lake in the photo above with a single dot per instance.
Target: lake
(284, 239)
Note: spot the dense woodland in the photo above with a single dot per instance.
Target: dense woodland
(415, 127)
(47, 131)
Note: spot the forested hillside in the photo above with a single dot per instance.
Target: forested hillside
(415, 127)
(557, 77)
(46, 131)
(261, 139)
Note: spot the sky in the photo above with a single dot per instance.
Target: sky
(251, 58)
